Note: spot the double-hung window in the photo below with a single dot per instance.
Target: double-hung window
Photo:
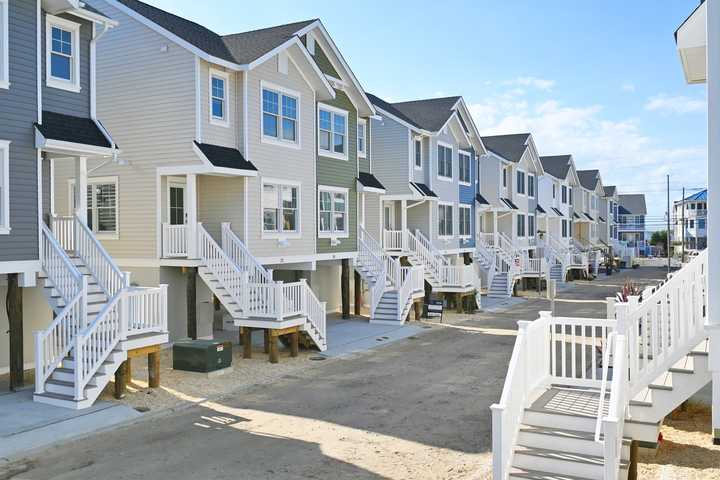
(565, 228)
(362, 138)
(564, 194)
(504, 170)
(62, 61)
(4, 186)
(553, 191)
(521, 182)
(570, 195)
(520, 225)
(280, 116)
(219, 114)
(333, 211)
(418, 153)
(464, 215)
(333, 128)
(531, 225)
(464, 167)
(4, 45)
(444, 156)
(102, 205)
(280, 207)
(531, 186)
(445, 220)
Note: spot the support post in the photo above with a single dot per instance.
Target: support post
(14, 306)
(246, 333)
(191, 298)
(121, 380)
(81, 189)
(154, 369)
(294, 343)
(345, 287)
(273, 347)
(191, 220)
(358, 293)
(266, 340)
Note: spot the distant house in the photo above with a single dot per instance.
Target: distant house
(693, 221)
(631, 221)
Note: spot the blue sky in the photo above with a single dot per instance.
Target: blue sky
(600, 80)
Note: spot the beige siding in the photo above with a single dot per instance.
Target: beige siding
(282, 163)
(220, 199)
(212, 132)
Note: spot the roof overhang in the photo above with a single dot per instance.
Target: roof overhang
(368, 183)
(207, 168)
(72, 149)
(456, 128)
(402, 122)
(534, 156)
(474, 134)
(691, 40)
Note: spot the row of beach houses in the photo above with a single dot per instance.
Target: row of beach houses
(153, 171)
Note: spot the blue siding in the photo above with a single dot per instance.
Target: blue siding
(18, 112)
(467, 196)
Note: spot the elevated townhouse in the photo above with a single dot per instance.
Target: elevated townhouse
(425, 153)
(92, 316)
(618, 248)
(690, 225)
(508, 213)
(589, 217)
(556, 199)
(631, 222)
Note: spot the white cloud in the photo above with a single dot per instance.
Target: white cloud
(628, 87)
(677, 104)
(534, 82)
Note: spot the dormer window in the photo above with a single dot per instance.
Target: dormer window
(4, 45)
(62, 55)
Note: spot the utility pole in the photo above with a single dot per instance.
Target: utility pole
(682, 226)
(668, 224)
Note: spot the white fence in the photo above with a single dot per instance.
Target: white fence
(174, 240)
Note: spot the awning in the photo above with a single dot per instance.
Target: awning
(589, 217)
(601, 219)
(71, 135)
(559, 213)
(509, 203)
(225, 159)
(423, 190)
(540, 209)
(367, 182)
(575, 215)
(481, 200)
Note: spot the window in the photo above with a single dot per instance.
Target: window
(464, 221)
(4, 185)
(102, 205)
(564, 196)
(333, 132)
(280, 116)
(280, 208)
(418, 153)
(531, 225)
(504, 177)
(62, 61)
(218, 98)
(362, 138)
(4, 45)
(521, 182)
(531, 186)
(692, 223)
(520, 225)
(553, 191)
(692, 206)
(570, 195)
(333, 211)
(564, 228)
(444, 161)
(701, 223)
(464, 167)
(445, 220)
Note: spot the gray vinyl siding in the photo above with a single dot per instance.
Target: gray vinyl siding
(418, 217)
(62, 101)
(18, 105)
(390, 155)
(146, 99)
(421, 175)
(342, 173)
(490, 179)
(364, 162)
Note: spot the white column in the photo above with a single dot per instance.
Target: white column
(81, 188)
(403, 221)
(713, 89)
(495, 228)
(362, 206)
(191, 209)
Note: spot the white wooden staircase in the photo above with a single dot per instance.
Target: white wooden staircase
(579, 389)
(98, 316)
(250, 295)
(500, 261)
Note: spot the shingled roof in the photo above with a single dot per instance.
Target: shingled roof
(557, 165)
(588, 178)
(247, 46)
(634, 203)
(430, 114)
(390, 108)
(610, 190)
(510, 147)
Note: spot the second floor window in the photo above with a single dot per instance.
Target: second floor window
(444, 161)
(464, 167)
(464, 214)
(333, 132)
(521, 225)
(553, 191)
(564, 194)
(445, 220)
(63, 59)
(531, 225)
(280, 208)
(418, 153)
(218, 98)
(521, 182)
(280, 116)
(362, 138)
(570, 195)
(565, 228)
(333, 208)
(531, 186)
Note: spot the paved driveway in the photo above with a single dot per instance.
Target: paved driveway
(418, 408)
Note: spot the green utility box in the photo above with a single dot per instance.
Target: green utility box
(202, 355)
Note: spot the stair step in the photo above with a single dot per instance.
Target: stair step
(525, 474)
(560, 462)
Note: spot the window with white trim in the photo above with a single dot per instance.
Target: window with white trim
(565, 228)
(504, 171)
(280, 208)
(4, 45)
(362, 138)
(521, 182)
(444, 161)
(280, 116)
(333, 211)
(464, 215)
(520, 225)
(219, 98)
(564, 197)
(332, 129)
(445, 220)
(102, 204)
(553, 191)
(418, 153)
(464, 167)
(4, 186)
(62, 62)
(531, 225)
(531, 186)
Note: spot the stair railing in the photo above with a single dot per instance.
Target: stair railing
(431, 248)
(246, 261)
(229, 274)
(404, 292)
(316, 312)
(378, 289)
(372, 252)
(108, 275)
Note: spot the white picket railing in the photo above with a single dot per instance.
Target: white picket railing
(431, 248)
(316, 312)
(378, 289)
(146, 310)
(240, 254)
(225, 270)
(393, 240)
(63, 230)
(174, 240)
(404, 292)
(109, 277)
(58, 267)
(418, 276)
(613, 424)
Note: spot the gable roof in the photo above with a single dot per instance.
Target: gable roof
(610, 190)
(701, 195)
(248, 46)
(67, 128)
(557, 165)
(589, 178)
(633, 203)
(430, 114)
(510, 147)
(390, 108)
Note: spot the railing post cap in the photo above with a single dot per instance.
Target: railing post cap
(545, 314)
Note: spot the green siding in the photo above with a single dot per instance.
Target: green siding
(324, 63)
(365, 162)
(333, 172)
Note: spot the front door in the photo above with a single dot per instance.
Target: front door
(176, 204)
(389, 216)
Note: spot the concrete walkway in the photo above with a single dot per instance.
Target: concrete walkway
(357, 334)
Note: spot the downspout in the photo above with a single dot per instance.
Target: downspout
(93, 85)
